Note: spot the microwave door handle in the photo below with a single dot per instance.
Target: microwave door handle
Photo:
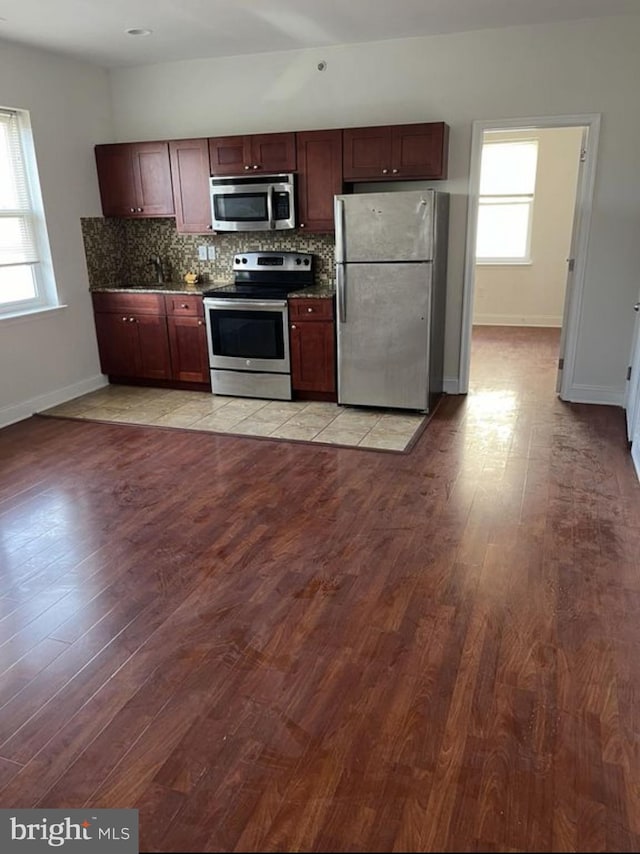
(272, 222)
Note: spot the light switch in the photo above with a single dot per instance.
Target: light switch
(202, 252)
(212, 253)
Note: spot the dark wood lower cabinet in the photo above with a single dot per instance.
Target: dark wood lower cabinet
(134, 345)
(313, 349)
(188, 347)
(152, 338)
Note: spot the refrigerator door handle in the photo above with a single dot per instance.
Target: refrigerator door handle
(342, 293)
(339, 223)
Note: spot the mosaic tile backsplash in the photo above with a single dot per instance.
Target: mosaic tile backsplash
(118, 251)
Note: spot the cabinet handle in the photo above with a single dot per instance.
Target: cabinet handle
(184, 305)
(301, 225)
(132, 320)
(132, 210)
(384, 171)
(139, 210)
(210, 226)
(124, 319)
(199, 323)
(247, 168)
(293, 326)
(310, 310)
(255, 166)
(395, 171)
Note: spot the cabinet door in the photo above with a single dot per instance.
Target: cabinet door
(117, 344)
(152, 176)
(188, 346)
(115, 179)
(313, 356)
(227, 155)
(273, 152)
(135, 179)
(190, 175)
(367, 153)
(319, 177)
(420, 151)
(153, 360)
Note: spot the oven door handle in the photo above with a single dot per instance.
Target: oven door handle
(246, 305)
(272, 222)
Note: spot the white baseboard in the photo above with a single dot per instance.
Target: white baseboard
(516, 320)
(26, 408)
(603, 395)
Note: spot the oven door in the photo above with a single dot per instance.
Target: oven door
(248, 335)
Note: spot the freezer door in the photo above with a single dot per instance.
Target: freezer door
(373, 227)
(383, 335)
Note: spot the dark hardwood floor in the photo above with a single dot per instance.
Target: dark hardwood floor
(270, 646)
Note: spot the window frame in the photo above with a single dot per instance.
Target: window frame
(45, 296)
(506, 198)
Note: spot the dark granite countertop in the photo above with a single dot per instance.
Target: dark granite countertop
(315, 292)
(322, 291)
(165, 288)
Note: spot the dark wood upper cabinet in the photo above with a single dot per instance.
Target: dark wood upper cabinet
(253, 153)
(135, 179)
(394, 152)
(319, 156)
(190, 174)
(227, 155)
(153, 179)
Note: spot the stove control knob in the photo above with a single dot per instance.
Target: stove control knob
(248, 362)
(236, 260)
(306, 261)
(298, 261)
(244, 260)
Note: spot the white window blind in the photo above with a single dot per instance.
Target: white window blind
(507, 185)
(27, 281)
(17, 238)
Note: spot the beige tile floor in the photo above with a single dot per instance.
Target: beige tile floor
(313, 422)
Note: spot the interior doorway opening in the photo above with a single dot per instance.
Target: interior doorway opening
(526, 206)
(530, 198)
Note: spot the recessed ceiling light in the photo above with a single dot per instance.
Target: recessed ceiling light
(138, 31)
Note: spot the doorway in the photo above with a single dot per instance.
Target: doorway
(530, 196)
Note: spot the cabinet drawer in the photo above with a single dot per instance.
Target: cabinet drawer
(184, 306)
(311, 309)
(129, 303)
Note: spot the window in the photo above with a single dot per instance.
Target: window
(507, 184)
(26, 275)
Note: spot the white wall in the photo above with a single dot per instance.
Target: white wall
(53, 356)
(533, 294)
(585, 67)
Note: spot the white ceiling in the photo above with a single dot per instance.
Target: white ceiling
(93, 30)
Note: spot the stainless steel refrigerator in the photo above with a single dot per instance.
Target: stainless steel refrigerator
(391, 267)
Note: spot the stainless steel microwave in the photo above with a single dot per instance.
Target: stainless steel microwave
(253, 203)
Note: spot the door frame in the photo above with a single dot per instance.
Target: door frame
(582, 219)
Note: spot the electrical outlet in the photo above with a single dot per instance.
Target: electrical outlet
(202, 253)
(211, 250)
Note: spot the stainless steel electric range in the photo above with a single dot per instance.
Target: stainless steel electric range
(248, 324)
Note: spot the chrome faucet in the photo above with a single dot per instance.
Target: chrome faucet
(156, 260)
